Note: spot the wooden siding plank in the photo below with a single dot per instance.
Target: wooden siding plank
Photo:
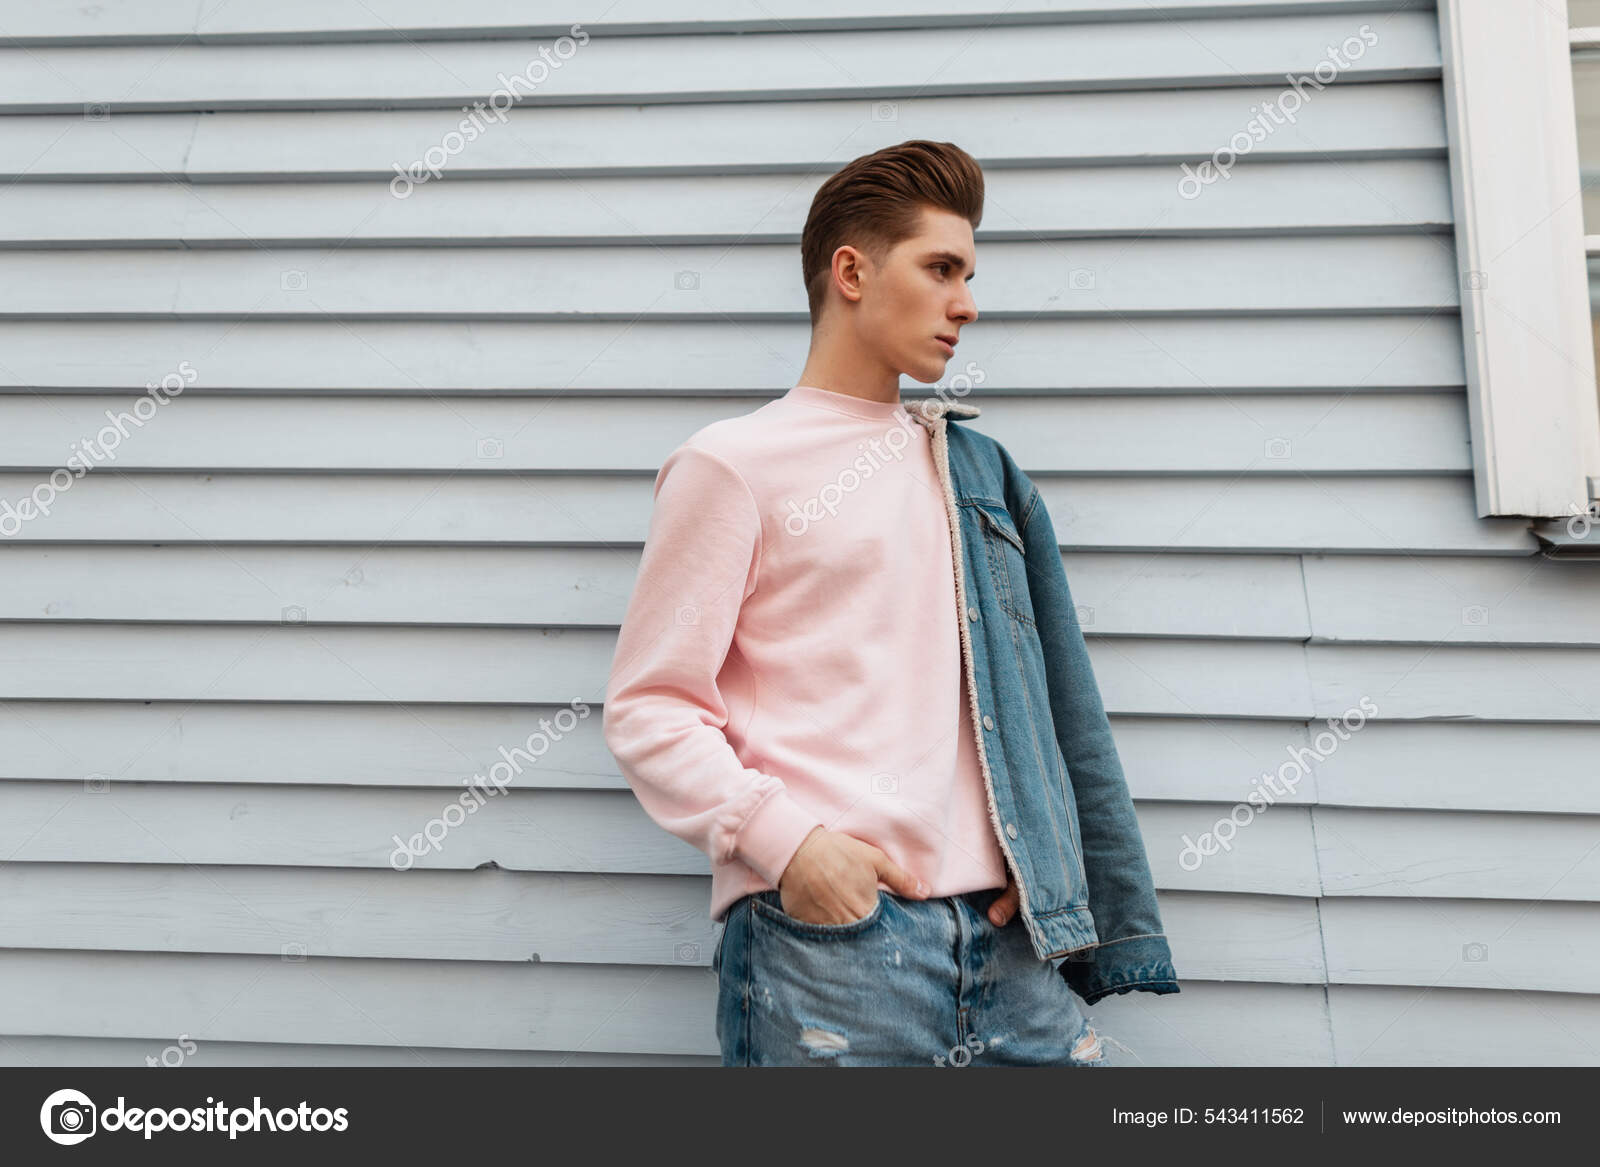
(1032, 204)
(1189, 595)
(597, 832)
(1417, 765)
(1301, 513)
(437, 747)
(1540, 946)
(1380, 1026)
(294, 661)
(1208, 1025)
(589, 359)
(1467, 766)
(1244, 514)
(1273, 855)
(505, 917)
(1211, 1025)
(1272, 275)
(59, 22)
(300, 826)
(402, 746)
(1434, 855)
(1347, 122)
(591, 1009)
(1210, 759)
(630, 70)
(1459, 601)
(291, 661)
(1305, 433)
(1504, 682)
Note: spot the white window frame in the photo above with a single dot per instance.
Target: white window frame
(1511, 123)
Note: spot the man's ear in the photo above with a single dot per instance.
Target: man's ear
(847, 271)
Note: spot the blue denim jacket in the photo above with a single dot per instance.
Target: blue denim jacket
(1057, 796)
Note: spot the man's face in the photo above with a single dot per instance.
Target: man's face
(913, 307)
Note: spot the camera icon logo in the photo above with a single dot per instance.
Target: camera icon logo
(68, 1117)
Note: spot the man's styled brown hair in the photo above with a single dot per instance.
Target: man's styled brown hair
(875, 202)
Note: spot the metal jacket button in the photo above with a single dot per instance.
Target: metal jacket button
(972, 614)
(1011, 829)
(988, 722)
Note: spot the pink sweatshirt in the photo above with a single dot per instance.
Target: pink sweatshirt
(791, 655)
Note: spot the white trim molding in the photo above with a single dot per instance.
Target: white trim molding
(1520, 249)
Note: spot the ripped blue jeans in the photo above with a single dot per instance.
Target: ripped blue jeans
(912, 983)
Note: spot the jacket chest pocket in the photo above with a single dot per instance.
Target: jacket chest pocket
(1007, 560)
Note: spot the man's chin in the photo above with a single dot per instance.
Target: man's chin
(927, 373)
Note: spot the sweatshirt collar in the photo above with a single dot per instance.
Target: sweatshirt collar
(927, 409)
(828, 399)
(932, 407)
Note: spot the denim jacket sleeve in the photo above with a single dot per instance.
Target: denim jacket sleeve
(1132, 952)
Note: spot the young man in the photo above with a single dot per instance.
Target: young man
(793, 689)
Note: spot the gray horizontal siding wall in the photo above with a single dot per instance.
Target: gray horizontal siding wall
(395, 519)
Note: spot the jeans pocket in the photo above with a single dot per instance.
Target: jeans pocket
(768, 906)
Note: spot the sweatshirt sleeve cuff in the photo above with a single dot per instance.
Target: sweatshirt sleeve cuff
(773, 834)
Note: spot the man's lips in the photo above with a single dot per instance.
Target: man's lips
(949, 343)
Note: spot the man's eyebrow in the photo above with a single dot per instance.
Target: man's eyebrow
(951, 258)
